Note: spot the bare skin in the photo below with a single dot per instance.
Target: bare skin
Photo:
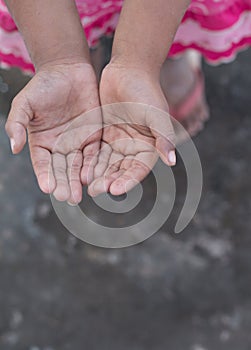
(140, 48)
(178, 78)
(63, 140)
(134, 135)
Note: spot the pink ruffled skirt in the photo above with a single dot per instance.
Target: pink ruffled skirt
(216, 28)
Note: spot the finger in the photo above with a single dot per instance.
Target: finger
(103, 160)
(161, 127)
(128, 180)
(42, 165)
(62, 190)
(74, 166)
(103, 183)
(90, 159)
(139, 169)
(17, 123)
(166, 150)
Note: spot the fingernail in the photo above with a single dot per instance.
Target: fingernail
(172, 157)
(72, 204)
(130, 184)
(12, 144)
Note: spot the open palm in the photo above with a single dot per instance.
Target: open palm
(63, 138)
(137, 130)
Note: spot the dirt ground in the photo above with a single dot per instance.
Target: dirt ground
(173, 292)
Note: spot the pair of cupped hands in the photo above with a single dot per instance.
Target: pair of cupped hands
(106, 136)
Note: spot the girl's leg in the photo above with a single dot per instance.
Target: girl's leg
(99, 57)
(179, 78)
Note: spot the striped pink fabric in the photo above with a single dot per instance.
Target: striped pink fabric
(216, 28)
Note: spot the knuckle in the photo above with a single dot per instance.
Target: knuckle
(62, 182)
(41, 167)
(41, 164)
(89, 159)
(60, 171)
(75, 166)
(74, 180)
(17, 101)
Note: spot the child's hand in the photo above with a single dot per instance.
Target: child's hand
(62, 140)
(134, 134)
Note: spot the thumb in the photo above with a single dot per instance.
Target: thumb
(17, 123)
(162, 129)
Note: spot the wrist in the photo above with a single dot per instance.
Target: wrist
(62, 61)
(74, 70)
(131, 63)
(60, 55)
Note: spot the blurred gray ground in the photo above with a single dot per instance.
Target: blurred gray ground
(185, 292)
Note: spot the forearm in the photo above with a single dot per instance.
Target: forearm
(146, 31)
(51, 29)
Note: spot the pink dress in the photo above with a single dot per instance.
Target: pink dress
(216, 28)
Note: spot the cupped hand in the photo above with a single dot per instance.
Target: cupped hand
(63, 138)
(137, 129)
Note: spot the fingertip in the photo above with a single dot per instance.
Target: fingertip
(47, 187)
(17, 150)
(75, 198)
(91, 192)
(61, 194)
(121, 187)
(12, 145)
(130, 184)
(17, 142)
(71, 204)
(16, 147)
(86, 177)
(118, 188)
(84, 180)
(166, 152)
(97, 187)
(172, 158)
